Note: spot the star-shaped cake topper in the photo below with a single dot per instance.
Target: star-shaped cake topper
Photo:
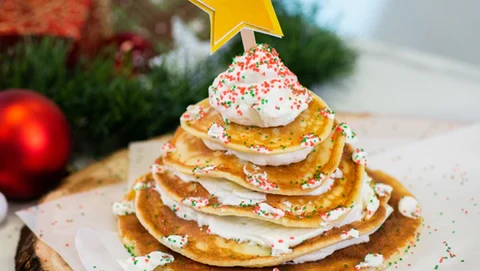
(228, 17)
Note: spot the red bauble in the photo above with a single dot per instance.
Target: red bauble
(35, 144)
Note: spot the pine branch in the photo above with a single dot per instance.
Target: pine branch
(106, 109)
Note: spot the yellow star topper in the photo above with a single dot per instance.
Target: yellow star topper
(228, 17)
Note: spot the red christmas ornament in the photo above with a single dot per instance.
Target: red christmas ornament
(132, 49)
(35, 144)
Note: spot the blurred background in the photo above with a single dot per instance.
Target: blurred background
(417, 58)
(439, 27)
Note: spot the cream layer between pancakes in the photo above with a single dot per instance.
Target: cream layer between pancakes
(279, 238)
(230, 193)
(265, 159)
(327, 251)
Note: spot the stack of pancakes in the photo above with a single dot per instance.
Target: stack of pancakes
(231, 195)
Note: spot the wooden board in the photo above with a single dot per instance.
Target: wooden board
(33, 254)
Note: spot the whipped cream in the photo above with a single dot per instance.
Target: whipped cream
(347, 132)
(259, 180)
(324, 252)
(194, 112)
(324, 188)
(156, 168)
(141, 185)
(204, 169)
(382, 190)
(259, 90)
(296, 211)
(319, 180)
(167, 149)
(148, 262)
(226, 192)
(335, 214)
(266, 234)
(372, 206)
(265, 210)
(338, 173)
(123, 208)
(314, 182)
(359, 156)
(327, 113)
(327, 251)
(176, 241)
(263, 158)
(260, 149)
(371, 199)
(352, 233)
(371, 260)
(310, 140)
(217, 132)
(408, 206)
(195, 202)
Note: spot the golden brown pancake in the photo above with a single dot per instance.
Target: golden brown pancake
(161, 222)
(392, 240)
(191, 156)
(287, 138)
(299, 211)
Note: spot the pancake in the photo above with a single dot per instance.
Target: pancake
(223, 198)
(392, 240)
(205, 247)
(315, 121)
(189, 155)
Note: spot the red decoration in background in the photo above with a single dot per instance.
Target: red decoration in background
(64, 18)
(35, 144)
(133, 48)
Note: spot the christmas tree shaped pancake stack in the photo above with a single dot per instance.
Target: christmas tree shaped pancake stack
(260, 175)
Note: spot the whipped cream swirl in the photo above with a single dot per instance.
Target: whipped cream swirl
(408, 206)
(371, 260)
(123, 208)
(259, 90)
(148, 262)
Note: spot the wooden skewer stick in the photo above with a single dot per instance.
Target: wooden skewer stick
(248, 39)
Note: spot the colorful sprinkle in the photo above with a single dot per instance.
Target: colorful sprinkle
(196, 202)
(218, 133)
(259, 180)
(359, 156)
(176, 241)
(310, 140)
(194, 112)
(167, 149)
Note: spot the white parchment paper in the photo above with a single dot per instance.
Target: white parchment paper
(83, 224)
(57, 222)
